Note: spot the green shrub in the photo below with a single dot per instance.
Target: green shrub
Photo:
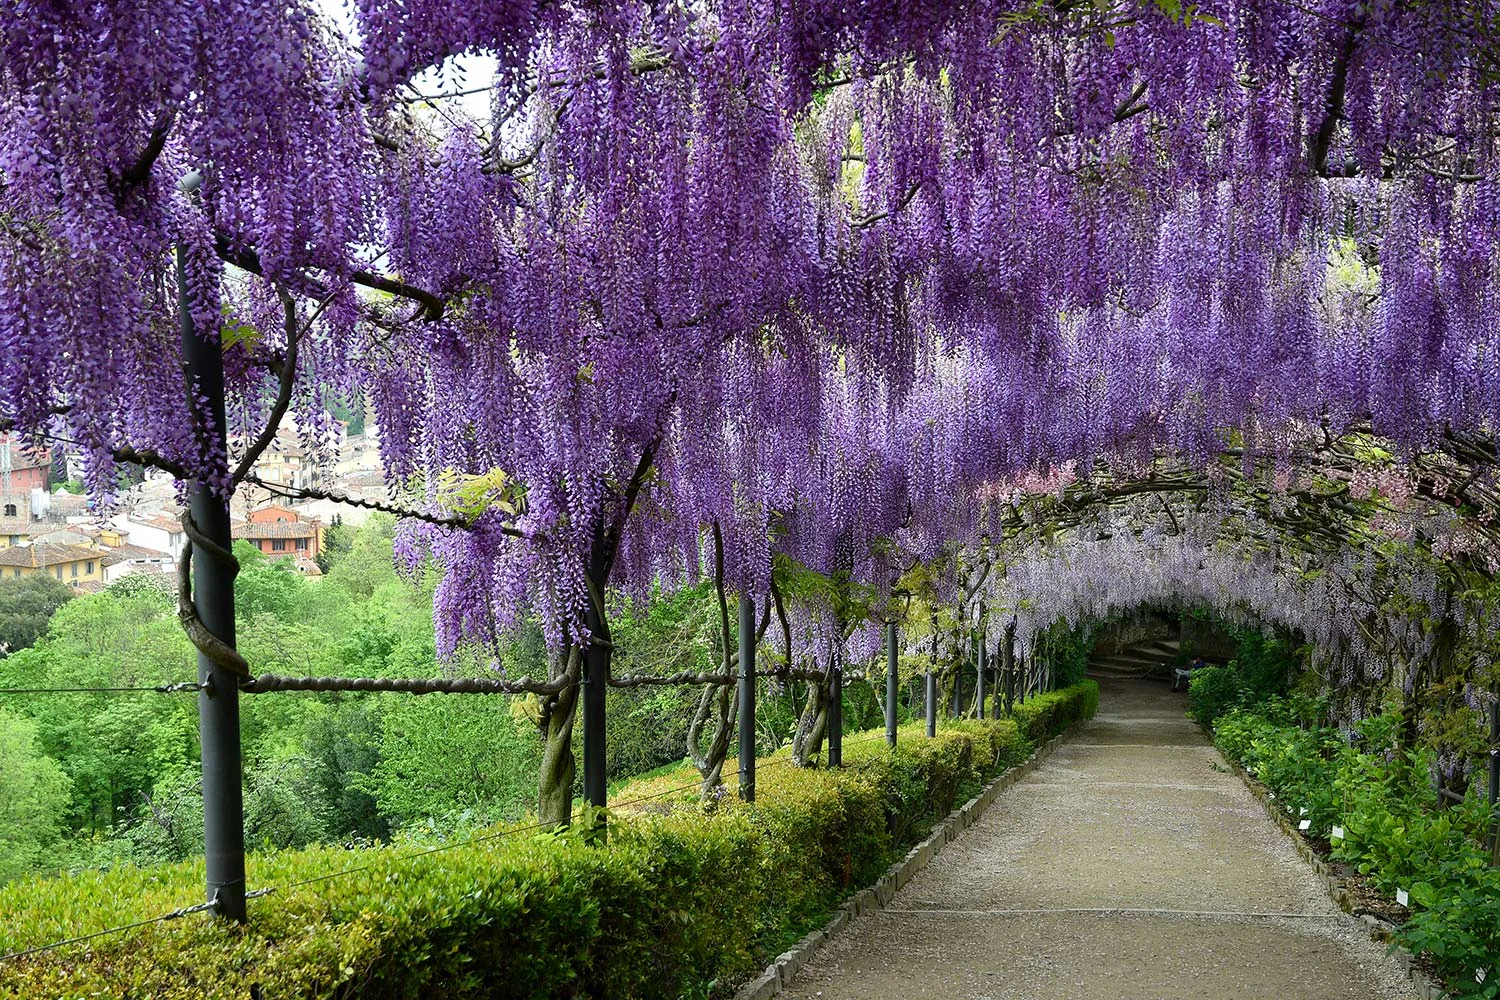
(1460, 929)
(666, 906)
(1046, 714)
(1261, 671)
(1381, 798)
(1213, 692)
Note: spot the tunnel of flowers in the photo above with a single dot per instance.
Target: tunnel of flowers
(967, 325)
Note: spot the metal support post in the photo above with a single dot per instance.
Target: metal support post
(930, 699)
(747, 698)
(958, 691)
(836, 717)
(595, 690)
(891, 683)
(984, 665)
(213, 595)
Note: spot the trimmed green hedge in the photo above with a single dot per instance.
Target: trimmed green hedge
(672, 905)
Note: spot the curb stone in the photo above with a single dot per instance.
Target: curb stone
(1378, 929)
(780, 973)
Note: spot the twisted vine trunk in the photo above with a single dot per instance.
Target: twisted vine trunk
(812, 726)
(720, 702)
(559, 767)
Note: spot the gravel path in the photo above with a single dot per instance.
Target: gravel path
(1131, 865)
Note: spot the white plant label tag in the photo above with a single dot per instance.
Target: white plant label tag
(1305, 825)
(1480, 975)
(1402, 897)
(1338, 833)
(1302, 811)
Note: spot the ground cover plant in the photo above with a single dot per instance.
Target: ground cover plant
(1375, 803)
(682, 897)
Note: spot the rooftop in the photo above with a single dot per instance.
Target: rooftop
(45, 554)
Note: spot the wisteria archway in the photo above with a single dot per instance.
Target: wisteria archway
(719, 284)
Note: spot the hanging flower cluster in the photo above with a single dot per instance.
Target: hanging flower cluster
(819, 273)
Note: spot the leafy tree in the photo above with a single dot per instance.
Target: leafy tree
(110, 745)
(342, 745)
(266, 586)
(367, 564)
(446, 756)
(338, 538)
(33, 797)
(26, 606)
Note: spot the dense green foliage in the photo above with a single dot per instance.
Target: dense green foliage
(1380, 796)
(1066, 648)
(679, 901)
(27, 603)
(319, 768)
(1264, 667)
(33, 796)
(326, 768)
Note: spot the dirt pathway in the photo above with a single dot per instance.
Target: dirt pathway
(1130, 866)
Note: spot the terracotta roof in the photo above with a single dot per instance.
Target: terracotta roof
(45, 554)
(63, 504)
(65, 534)
(364, 479)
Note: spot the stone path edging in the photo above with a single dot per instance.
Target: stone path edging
(780, 973)
(1379, 930)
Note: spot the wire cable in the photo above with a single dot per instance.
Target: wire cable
(176, 688)
(181, 911)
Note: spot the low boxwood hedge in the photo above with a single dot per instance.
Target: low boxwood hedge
(685, 902)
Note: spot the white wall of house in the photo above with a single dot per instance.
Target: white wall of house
(150, 536)
(125, 568)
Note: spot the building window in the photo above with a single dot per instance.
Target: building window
(301, 544)
(278, 545)
(16, 572)
(15, 539)
(10, 510)
(90, 568)
(58, 571)
(74, 568)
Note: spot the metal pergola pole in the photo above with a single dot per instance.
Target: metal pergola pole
(983, 660)
(929, 700)
(747, 698)
(836, 716)
(892, 685)
(958, 690)
(595, 690)
(213, 595)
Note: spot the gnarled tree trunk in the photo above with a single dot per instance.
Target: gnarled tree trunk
(813, 724)
(719, 701)
(555, 781)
